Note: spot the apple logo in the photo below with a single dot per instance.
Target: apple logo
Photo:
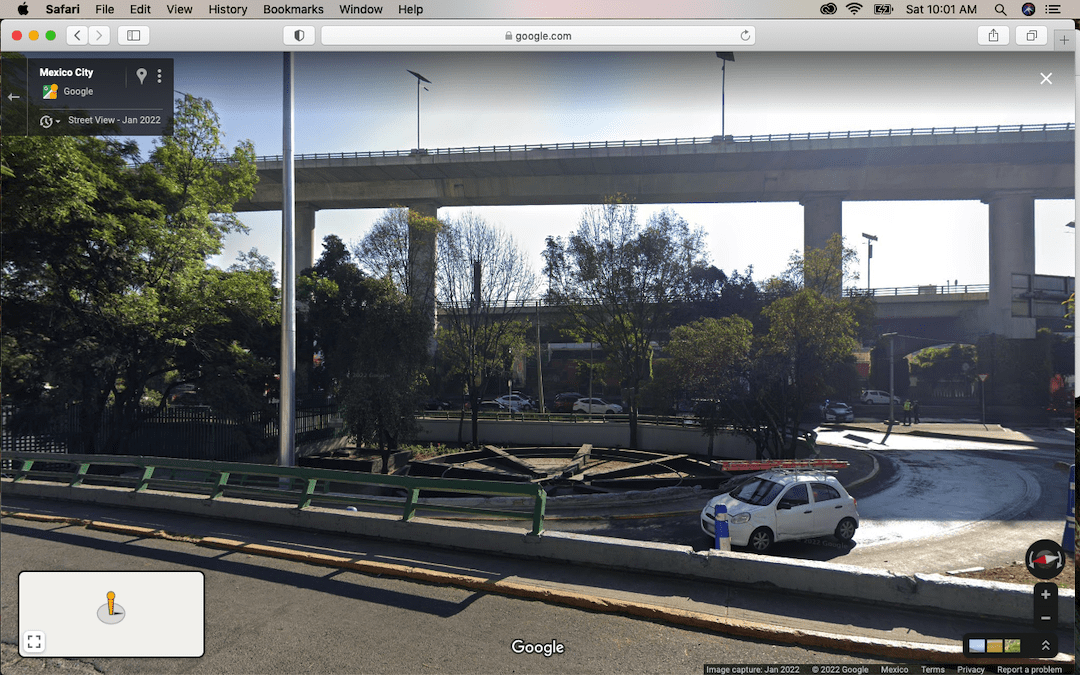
(23, 11)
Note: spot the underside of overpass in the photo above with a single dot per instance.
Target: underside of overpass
(1007, 168)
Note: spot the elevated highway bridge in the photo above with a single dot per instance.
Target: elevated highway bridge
(1006, 167)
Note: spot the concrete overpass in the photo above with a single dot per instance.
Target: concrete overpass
(945, 313)
(1006, 167)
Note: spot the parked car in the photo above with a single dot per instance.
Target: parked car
(516, 403)
(564, 402)
(784, 505)
(872, 396)
(596, 406)
(837, 411)
(435, 403)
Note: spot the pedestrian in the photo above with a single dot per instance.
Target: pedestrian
(907, 412)
(915, 410)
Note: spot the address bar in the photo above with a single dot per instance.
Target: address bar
(547, 34)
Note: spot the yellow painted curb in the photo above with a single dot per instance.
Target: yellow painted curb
(891, 649)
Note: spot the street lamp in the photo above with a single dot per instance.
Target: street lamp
(724, 57)
(892, 371)
(419, 78)
(870, 239)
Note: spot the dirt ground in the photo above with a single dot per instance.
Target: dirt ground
(1018, 574)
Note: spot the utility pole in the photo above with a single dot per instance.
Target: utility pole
(870, 239)
(287, 387)
(539, 363)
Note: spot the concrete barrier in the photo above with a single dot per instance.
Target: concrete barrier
(656, 438)
(927, 592)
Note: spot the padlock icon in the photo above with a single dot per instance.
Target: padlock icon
(509, 35)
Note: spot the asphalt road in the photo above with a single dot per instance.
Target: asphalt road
(265, 615)
(995, 504)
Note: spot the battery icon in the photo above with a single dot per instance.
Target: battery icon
(882, 9)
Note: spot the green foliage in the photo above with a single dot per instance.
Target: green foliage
(935, 365)
(810, 336)
(374, 346)
(108, 296)
(618, 281)
(710, 357)
(825, 270)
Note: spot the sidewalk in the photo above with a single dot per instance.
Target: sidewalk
(849, 626)
(972, 431)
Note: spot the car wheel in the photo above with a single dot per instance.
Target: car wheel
(845, 529)
(761, 540)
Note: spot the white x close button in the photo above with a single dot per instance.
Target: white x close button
(1033, 36)
(77, 35)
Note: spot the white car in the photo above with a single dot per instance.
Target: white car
(596, 405)
(871, 396)
(515, 403)
(783, 505)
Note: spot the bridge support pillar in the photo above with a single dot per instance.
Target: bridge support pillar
(1012, 251)
(423, 239)
(304, 236)
(822, 218)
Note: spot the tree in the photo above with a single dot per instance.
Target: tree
(825, 270)
(374, 346)
(810, 336)
(711, 360)
(953, 364)
(394, 249)
(618, 282)
(111, 303)
(482, 277)
(384, 251)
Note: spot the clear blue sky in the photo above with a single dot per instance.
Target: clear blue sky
(360, 102)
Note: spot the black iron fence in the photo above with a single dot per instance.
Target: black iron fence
(183, 432)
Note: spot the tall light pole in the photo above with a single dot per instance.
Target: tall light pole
(419, 78)
(892, 373)
(724, 57)
(870, 239)
(287, 386)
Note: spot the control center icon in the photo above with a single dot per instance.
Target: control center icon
(111, 612)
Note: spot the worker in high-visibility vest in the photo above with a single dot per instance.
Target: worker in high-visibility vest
(907, 412)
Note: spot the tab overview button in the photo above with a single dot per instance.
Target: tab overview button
(299, 35)
(1031, 35)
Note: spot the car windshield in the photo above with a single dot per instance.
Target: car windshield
(757, 492)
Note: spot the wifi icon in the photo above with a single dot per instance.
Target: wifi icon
(853, 7)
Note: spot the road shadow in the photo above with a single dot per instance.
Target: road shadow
(328, 583)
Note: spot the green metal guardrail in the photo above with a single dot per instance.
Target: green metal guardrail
(271, 483)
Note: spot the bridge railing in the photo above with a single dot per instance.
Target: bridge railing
(276, 484)
(950, 289)
(533, 303)
(695, 140)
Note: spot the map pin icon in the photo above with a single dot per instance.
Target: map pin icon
(141, 72)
